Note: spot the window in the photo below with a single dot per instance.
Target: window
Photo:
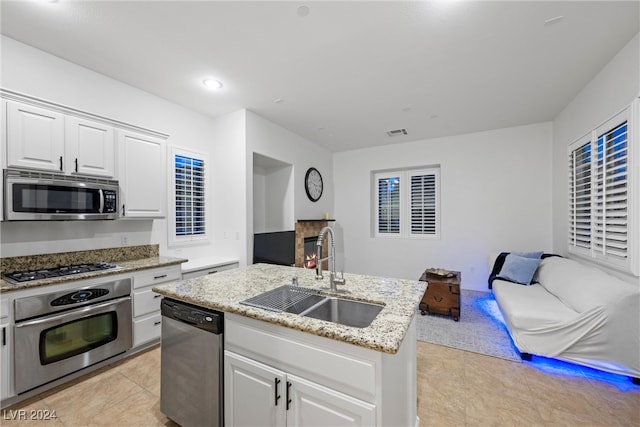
(600, 205)
(188, 208)
(407, 203)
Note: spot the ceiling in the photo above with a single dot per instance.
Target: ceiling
(342, 73)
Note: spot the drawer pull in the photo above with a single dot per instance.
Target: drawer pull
(162, 276)
(211, 272)
(438, 298)
(157, 296)
(157, 323)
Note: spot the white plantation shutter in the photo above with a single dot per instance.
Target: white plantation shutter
(603, 216)
(580, 196)
(188, 210)
(406, 203)
(610, 198)
(388, 212)
(424, 206)
(190, 215)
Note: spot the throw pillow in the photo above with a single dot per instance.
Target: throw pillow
(519, 269)
(529, 254)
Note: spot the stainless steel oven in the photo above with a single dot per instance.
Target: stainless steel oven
(62, 332)
(46, 196)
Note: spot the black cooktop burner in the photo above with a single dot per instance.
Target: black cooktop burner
(66, 270)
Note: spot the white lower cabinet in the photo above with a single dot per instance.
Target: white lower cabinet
(146, 303)
(5, 358)
(254, 393)
(207, 269)
(275, 375)
(316, 405)
(258, 394)
(6, 339)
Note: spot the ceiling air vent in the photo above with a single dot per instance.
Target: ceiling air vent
(396, 132)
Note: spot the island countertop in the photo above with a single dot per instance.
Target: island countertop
(223, 291)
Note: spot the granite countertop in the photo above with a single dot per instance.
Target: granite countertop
(223, 291)
(123, 267)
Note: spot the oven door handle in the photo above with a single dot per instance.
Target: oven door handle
(80, 312)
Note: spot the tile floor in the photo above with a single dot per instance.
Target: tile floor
(455, 388)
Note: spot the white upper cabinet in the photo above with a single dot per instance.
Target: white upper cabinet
(43, 139)
(48, 137)
(35, 137)
(90, 146)
(142, 175)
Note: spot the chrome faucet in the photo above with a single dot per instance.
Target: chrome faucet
(333, 279)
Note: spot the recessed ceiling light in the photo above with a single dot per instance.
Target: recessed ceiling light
(212, 84)
(303, 11)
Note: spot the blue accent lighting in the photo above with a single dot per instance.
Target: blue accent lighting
(555, 367)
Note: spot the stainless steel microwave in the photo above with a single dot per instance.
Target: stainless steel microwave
(43, 196)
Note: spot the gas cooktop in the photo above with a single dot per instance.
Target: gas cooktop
(65, 270)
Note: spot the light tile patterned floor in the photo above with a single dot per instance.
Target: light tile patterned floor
(455, 388)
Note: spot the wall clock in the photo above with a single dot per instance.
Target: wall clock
(313, 184)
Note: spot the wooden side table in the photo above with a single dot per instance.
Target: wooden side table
(442, 295)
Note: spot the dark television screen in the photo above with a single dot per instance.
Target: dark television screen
(275, 248)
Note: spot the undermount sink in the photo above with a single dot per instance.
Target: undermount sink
(306, 302)
(345, 312)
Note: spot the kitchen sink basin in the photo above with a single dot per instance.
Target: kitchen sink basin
(345, 312)
(307, 302)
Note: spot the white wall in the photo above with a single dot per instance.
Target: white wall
(228, 204)
(271, 140)
(259, 202)
(609, 92)
(36, 73)
(279, 201)
(495, 196)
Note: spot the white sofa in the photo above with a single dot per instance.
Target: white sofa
(576, 313)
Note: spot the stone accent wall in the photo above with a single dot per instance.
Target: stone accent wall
(309, 228)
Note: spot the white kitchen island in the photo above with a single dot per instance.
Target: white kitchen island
(286, 369)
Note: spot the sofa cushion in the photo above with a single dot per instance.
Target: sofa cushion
(580, 286)
(519, 269)
(530, 307)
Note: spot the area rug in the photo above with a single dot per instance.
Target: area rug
(480, 329)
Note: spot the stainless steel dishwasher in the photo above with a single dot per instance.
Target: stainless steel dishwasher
(191, 372)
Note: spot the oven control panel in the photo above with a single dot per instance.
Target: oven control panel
(79, 296)
(62, 300)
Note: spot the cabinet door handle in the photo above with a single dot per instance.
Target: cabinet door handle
(157, 323)
(288, 393)
(76, 164)
(4, 336)
(277, 381)
(60, 163)
(157, 296)
(123, 209)
(162, 276)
